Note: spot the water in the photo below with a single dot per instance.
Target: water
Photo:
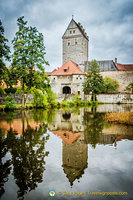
(71, 152)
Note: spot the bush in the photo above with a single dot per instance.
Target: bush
(130, 87)
(39, 99)
(110, 85)
(19, 90)
(76, 99)
(51, 96)
(11, 90)
(2, 91)
(10, 102)
(120, 117)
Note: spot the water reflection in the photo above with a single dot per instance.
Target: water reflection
(5, 167)
(25, 140)
(75, 158)
(24, 135)
(93, 126)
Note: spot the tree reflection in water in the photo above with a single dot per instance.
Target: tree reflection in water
(28, 153)
(93, 126)
(6, 166)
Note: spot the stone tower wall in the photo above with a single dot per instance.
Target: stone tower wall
(75, 45)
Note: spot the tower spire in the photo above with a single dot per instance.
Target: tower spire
(72, 16)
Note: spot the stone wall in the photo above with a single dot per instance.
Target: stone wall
(77, 49)
(113, 98)
(17, 98)
(123, 77)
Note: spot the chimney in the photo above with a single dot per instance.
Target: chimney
(115, 60)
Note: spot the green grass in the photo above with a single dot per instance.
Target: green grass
(58, 105)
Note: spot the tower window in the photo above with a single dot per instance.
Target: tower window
(76, 42)
(73, 31)
(70, 32)
(68, 42)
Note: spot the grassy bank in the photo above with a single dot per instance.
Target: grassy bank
(63, 104)
(120, 117)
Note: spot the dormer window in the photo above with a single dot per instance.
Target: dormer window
(65, 70)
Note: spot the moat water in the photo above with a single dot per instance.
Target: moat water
(73, 153)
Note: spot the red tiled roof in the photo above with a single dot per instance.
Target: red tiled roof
(68, 136)
(122, 67)
(49, 73)
(69, 68)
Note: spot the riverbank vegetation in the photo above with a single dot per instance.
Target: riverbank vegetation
(120, 117)
(47, 101)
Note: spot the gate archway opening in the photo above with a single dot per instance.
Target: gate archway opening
(66, 90)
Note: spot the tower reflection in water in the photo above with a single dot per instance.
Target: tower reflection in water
(80, 129)
(70, 129)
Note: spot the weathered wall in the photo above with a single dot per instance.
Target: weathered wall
(77, 50)
(105, 98)
(123, 77)
(113, 98)
(17, 98)
(74, 82)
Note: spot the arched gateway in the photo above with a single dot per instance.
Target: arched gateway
(66, 90)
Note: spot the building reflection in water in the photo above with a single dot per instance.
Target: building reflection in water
(75, 158)
(79, 130)
(69, 128)
(25, 137)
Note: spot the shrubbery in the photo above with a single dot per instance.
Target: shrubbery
(11, 90)
(51, 96)
(110, 85)
(10, 102)
(19, 90)
(39, 99)
(2, 91)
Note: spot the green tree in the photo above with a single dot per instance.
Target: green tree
(4, 54)
(93, 80)
(29, 51)
(130, 87)
(111, 85)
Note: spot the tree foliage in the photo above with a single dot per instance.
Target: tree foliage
(10, 102)
(29, 51)
(111, 85)
(93, 80)
(4, 54)
(93, 126)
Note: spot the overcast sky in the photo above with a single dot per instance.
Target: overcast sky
(108, 23)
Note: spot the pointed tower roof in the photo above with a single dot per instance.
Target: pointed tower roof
(69, 68)
(79, 26)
